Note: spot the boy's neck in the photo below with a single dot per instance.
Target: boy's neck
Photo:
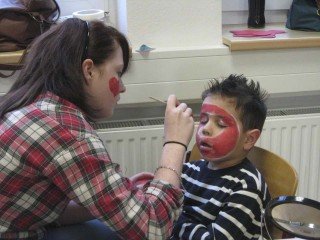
(221, 164)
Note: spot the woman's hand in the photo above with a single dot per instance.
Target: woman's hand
(178, 130)
(179, 123)
(140, 179)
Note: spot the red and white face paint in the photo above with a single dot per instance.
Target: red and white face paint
(114, 86)
(220, 137)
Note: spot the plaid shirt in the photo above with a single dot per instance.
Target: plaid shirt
(49, 154)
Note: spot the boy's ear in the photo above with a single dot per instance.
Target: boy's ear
(251, 138)
(87, 69)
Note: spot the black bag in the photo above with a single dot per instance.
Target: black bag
(304, 15)
(21, 21)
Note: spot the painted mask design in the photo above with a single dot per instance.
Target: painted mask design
(218, 132)
(114, 86)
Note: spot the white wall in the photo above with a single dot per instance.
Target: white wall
(171, 24)
(185, 69)
(285, 71)
(232, 9)
(184, 23)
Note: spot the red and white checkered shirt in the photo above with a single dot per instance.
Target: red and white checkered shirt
(49, 154)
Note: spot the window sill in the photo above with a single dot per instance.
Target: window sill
(289, 39)
(14, 57)
(164, 53)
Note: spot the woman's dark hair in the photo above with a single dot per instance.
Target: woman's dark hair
(54, 63)
(250, 99)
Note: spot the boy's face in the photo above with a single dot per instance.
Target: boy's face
(220, 137)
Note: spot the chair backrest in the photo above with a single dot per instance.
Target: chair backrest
(280, 175)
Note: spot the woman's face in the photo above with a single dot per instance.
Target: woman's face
(105, 85)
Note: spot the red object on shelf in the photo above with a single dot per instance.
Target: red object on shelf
(256, 33)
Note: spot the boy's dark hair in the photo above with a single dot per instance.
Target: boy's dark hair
(249, 97)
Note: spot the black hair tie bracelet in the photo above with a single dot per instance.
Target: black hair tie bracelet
(180, 143)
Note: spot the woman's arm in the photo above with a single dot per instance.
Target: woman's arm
(98, 184)
(178, 127)
(75, 213)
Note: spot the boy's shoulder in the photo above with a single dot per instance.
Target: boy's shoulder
(203, 164)
(245, 171)
(196, 165)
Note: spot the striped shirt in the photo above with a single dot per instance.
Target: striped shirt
(49, 155)
(221, 204)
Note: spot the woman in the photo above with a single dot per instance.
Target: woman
(51, 155)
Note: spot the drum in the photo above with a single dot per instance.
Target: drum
(293, 216)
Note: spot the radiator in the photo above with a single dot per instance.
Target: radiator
(291, 133)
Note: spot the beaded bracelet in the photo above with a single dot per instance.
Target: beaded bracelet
(180, 143)
(169, 168)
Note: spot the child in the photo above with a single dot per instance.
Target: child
(224, 192)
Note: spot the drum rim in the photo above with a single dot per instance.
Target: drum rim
(289, 199)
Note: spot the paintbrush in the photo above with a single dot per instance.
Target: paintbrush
(158, 100)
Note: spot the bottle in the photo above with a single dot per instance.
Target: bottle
(256, 17)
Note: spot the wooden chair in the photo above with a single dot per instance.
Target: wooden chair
(280, 175)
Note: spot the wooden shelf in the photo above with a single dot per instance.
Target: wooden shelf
(289, 39)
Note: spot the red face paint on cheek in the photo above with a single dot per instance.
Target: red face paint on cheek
(221, 144)
(114, 86)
